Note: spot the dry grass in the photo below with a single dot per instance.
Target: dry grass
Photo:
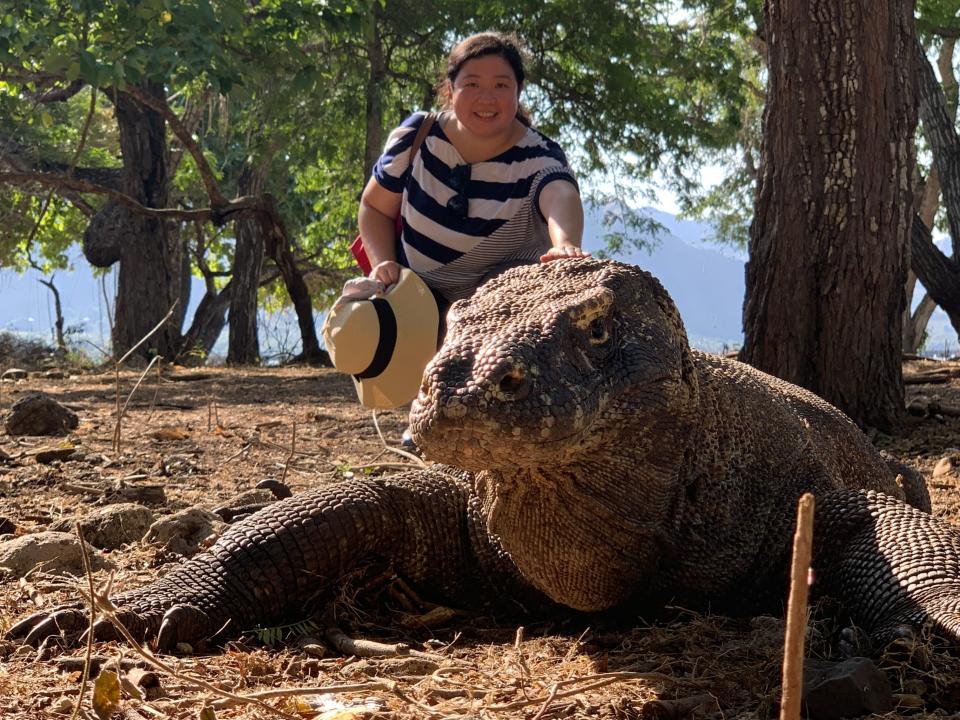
(680, 664)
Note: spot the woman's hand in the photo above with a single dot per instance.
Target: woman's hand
(563, 251)
(563, 211)
(387, 272)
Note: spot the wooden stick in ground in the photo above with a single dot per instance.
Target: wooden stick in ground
(797, 611)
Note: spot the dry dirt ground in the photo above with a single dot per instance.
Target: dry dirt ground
(204, 436)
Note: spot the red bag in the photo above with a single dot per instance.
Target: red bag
(356, 247)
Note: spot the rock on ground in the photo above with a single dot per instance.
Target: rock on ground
(113, 526)
(39, 414)
(183, 532)
(846, 689)
(55, 552)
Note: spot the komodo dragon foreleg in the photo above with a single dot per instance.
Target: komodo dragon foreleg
(271, 564)
(892, 566)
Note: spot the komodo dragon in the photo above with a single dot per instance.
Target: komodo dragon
(599, 462)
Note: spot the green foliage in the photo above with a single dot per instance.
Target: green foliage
(936, 15)
(281, 86)
(273, 636)
(59, 229)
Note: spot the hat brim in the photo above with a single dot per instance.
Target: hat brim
(417, 321)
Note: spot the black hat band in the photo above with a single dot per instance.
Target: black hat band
(385, 344)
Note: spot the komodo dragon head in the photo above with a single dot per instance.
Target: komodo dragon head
(568, 387)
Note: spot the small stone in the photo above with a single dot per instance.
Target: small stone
(54, 552)
(62, 706)
(943, 467)
(846, 689)
(142, 494)
(39, 414)
(49, 455)
(920, 406)
(183, 648)
(184, 531)
(113, 526)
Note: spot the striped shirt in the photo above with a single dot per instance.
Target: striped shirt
(503, 223)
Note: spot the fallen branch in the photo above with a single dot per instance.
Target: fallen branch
(347, 645)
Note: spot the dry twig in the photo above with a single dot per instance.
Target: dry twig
(797, 610)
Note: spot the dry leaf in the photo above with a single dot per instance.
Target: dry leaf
(106, 694)
(170, 432)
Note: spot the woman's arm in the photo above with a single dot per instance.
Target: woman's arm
(561, 206)
(377, 220)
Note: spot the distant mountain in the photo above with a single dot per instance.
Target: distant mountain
(706, 284)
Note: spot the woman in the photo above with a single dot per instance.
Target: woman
(486, 191)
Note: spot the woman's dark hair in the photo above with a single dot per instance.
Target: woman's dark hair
(509, 47)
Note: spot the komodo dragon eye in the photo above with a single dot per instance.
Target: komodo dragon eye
(592, 316)
(599, 331)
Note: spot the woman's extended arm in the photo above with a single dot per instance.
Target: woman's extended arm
(377, 220)
(561, 206)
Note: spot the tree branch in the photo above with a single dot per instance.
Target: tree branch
(186, 138)
(23, 159)
(946, 31)
(939, 274)
(939, 130)
(217, 215)
(58, 94)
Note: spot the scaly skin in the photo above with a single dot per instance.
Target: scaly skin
(607, 463)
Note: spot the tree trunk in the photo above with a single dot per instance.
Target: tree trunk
(939, 274)
(939, 129)
(149, 277)
(834, 206)
(208, 322)
(915, 325)
(915, 322)
(373, 144)
(278, 249)
(244, 345)
(58, 310)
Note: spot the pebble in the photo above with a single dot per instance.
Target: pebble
(943, 467)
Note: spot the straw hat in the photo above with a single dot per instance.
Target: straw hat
(385, 342)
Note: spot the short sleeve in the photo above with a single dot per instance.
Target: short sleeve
(393, 166)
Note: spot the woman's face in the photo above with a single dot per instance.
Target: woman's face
(485, 95)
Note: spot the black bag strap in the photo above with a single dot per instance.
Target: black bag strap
(421, 135)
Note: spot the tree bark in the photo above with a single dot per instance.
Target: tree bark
(58, 310)
(208, 322)
(915, 322)
(834, 205)
(373, 145)
(149, 276)
(278, 249)
(939, 274)
(938, 128)
(244, 345)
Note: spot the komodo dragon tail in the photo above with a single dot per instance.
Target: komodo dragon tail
(892, 566)
(270, 565)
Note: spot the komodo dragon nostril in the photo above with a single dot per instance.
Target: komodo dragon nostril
(512, 383)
